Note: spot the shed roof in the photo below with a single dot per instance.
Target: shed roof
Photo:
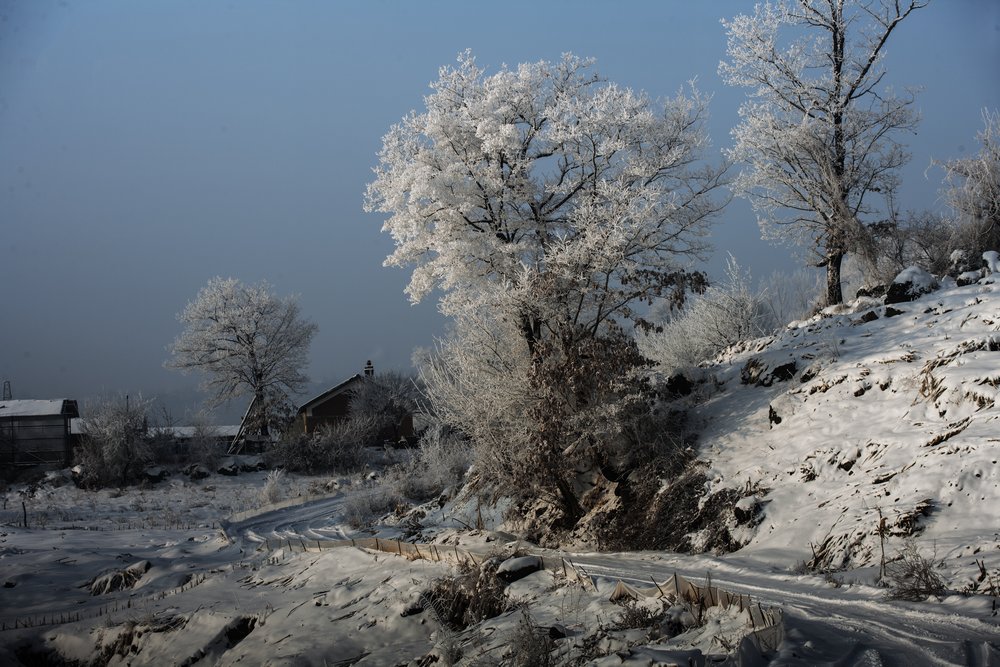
(39, 408)
(329, 393)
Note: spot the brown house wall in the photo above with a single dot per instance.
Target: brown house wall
(335, 406)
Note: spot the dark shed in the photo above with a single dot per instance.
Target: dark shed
(37, 432)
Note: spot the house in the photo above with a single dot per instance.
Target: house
(333, 406)
(330, 407)
(37, 432)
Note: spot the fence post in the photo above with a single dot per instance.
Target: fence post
(662, 595)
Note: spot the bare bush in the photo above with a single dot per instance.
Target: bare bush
(531, 646)
(921, 238)
(205, 446)
(338, 447)
(273, 490)
(115, 445)
(440, 462)
(792, 296)
(364, 508)
(162, 439)
(475, 595)
(911, 576)
(635, 616)
(724, 315)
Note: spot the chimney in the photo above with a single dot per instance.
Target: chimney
(369, 369)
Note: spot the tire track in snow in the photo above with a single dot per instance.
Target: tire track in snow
(902, 636)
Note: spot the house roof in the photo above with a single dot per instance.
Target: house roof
(39, 408)
(329, 393)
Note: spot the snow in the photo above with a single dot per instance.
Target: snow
(31, 407)
(992, 259)
(920, 278)
(896, 419)
(899, 421)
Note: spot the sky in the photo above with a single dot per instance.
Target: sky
(146, 147)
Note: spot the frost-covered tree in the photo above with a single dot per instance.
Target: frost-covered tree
(974, 191)
(574, 196)
(247, 342)
(818, 130)
(549, 202)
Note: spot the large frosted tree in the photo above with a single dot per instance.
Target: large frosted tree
(566, 197)
(545, 201)
(247, 342)
(819, 130)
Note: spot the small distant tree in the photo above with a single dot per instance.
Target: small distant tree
(818, 131)
(115, 444)
(974, 192)
(247, 342)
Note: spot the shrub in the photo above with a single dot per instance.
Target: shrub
(364, 508)
(973, 191)
(339, 447)
(534, 417)
(273, 490)
(475, 595)
(635, 616)
(911, 576)
(115, 444)
(441, 461)
(531, 646)
(722, 316)
(792, 296)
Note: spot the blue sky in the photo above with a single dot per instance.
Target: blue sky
(146, 147)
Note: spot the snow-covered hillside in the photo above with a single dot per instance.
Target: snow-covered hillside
(863, 413)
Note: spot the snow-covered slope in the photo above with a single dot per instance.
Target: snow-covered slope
(867, 413)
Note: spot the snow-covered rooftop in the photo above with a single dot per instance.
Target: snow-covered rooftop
(34, 407)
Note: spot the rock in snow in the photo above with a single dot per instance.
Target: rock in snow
(910, 284)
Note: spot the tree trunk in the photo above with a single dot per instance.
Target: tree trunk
(262, 415)
(572, 510)
(834, 261)
(531, 328)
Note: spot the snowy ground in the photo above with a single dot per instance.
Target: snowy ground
(202, 597)
(207, 599)
(885, 430)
